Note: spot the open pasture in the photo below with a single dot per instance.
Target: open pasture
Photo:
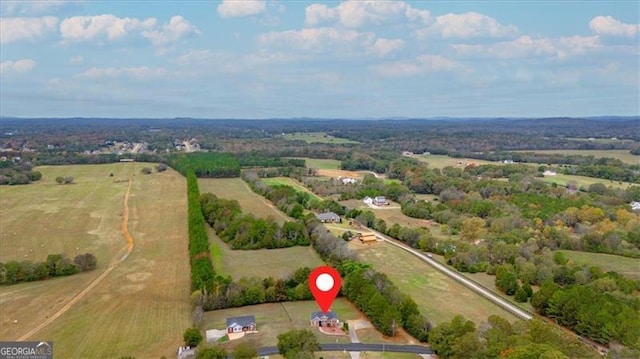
(391, 214)
(141, 307)
(316, 137)
(626, 266)
(438, 297)
(583, 181)
(286, 181)
(441, 161)
(622, 155)
(250, 202)
(262, 263)
(321, 164)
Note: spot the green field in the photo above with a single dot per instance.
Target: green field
(391, 214)
(250, 202)
(316, 137)
(439, 297)
(141, 306)
(277, 263)
(622, 155)
(276, 318)
(286, 181)
(629, 267)
(583, 181)
(321, 164)
(600, 140)
(441, 161)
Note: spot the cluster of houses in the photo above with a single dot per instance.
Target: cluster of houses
(376, 201)
(347, 180)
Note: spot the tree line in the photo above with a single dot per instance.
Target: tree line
(56, 265)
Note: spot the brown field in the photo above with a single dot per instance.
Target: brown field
(439, 298)
(250, 202)
(339, 173)
(141, 306)
(277, 263)
(441, 161)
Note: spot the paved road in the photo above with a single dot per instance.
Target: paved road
(515, 310)
(359, 347)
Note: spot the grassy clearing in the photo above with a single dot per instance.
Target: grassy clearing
(391, 214)
(622, 155)
(438, 297)
(316, 137)
(321, 164)
(600, 140)
(141, 308)
(277, 263)
(276, 318)
(441, 161)
(250, 202)
(286, 181)
(629, 267)
(583, 181)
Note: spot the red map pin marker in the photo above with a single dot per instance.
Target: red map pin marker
(325, 283)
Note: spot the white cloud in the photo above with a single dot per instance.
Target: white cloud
(607, 25)
(421, 64)
(76, 60)
(357, 13)
(383, 47)
(33, 7)
(239, 8)
(526, 46)
(87, 28)
(467, 25)
(177, 28)
(319, 39)
(141, 72)
(19, 66)
(14, 29)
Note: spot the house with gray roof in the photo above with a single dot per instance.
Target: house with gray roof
(241, 324)
(328, 217)
(328, 319)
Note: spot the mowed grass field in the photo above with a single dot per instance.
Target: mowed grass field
(583, 181)
(141, 307)
(250, 202)
(262, 263)
(629, 267)
(441, 161)
(391, 214)
(276, 318)
(622, 155)
(319, 163)
(438, 297)
(286, 181)
(316, 137)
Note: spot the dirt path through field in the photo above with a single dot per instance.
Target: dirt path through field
(114, 263)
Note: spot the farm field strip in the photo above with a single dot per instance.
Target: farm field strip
(250, 202)
(438, 297)
(141, 307)
(286, 181)
(629, 267)
(316, 137)
(622, 155)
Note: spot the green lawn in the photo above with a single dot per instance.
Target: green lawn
(583, 181)
(438, 297)
(629, 267)
(277, 263)
(250, 202)
(321, 164)
(286, 181)
(622, 155)
(316, 137)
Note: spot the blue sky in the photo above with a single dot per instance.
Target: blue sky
(350, 59)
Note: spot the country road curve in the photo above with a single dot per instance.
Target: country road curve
(360, 347)
(114, 263)
(513, 309)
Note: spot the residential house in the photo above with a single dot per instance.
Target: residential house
(328, 217)
(241, 324)
(368, 200)
(635, 206)
(380, 201)
(348, 180)
(549, 173)
(328, 319)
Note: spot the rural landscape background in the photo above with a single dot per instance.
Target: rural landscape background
(172, 172)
